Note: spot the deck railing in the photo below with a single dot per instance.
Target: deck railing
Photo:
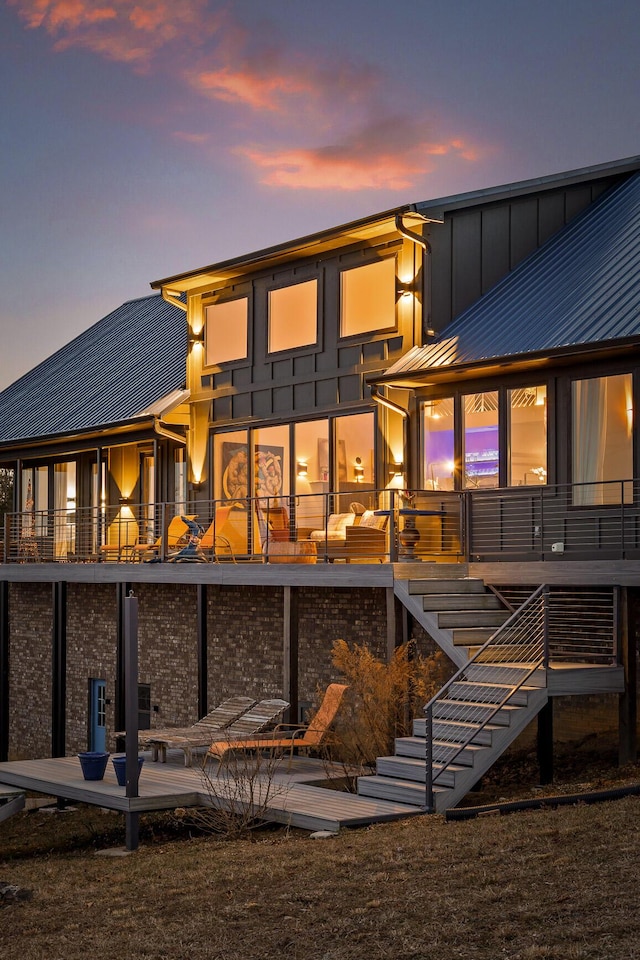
(583, 521)
(518, 648)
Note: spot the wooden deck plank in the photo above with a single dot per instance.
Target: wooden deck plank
(166, 786)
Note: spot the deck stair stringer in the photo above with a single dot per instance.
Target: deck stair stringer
(474, 717)
(402, 777)
(459, 613)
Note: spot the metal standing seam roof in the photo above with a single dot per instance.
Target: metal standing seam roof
(111, 373)
(580, 287)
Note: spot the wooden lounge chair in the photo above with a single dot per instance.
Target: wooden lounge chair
(207, 727)
(289, 738)
(260, 716)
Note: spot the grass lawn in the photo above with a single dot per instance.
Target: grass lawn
(534, 886)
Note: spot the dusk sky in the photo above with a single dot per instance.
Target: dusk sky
(142, 138)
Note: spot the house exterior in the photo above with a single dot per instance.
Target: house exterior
(480, 351)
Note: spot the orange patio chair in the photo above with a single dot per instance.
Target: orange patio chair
(289, 738)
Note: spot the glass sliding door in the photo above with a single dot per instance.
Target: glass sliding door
(481, 454)
(439, 444)
(311, 460)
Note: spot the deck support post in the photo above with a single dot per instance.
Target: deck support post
(131, 715)
(629, 608)
(291, 628)
(545, 742)
(59, 670)
(5, 689)
(203, 677)
(122, 589)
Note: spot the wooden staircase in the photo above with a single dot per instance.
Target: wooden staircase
(482, 710)
(460, 613)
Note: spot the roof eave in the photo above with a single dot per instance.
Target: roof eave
(493, 366)
(309, 245)
(120, 429)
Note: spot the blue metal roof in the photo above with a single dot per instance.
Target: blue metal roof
(109, 374)
(581, 287)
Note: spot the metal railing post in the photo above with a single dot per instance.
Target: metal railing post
(546, 593)
(429, 759)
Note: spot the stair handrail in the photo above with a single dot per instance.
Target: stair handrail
(542, 660)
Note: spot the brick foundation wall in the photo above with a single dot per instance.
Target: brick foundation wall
(244, 634)
(91, 654)
(30, 620)
(245, 654)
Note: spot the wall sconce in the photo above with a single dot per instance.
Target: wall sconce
(358, 471)
(196, 337)
(404, 288)
(124, 501)
(302, 468)
(397, 469)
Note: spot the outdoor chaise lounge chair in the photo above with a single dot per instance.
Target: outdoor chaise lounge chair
(177, 533)
(288, 738)
(206, 727)
(260, 716)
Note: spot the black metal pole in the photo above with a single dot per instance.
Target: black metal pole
(203, 677)
(131, 715)
(429, 758)
(59, 670)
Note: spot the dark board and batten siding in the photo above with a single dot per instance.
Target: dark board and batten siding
(474, 248)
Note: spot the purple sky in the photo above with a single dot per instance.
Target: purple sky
(141, 138)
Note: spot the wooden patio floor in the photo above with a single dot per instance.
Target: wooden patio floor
(288, 794)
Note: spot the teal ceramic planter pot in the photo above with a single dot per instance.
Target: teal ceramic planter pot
(93, 763)
(120, 767)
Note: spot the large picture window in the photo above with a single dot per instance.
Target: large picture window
(226, 331)
(602, 438)
(293, 316)
(368, 298)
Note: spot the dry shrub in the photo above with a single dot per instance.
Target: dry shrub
(240, 791)
(383, 698)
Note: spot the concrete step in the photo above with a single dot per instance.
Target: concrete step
(443, 750)
(473, 711)
(488, 692)
(454, 619)
(461, 601)
(472, 636)
(508, 674)
(396, 789)
(461, 585)
(456, 731)
(409, 768)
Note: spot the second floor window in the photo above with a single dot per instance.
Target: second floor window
(293, 316)
(368, 298)
(226, 326)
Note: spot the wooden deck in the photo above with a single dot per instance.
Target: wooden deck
(293, 796)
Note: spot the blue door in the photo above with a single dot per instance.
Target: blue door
(97, 718)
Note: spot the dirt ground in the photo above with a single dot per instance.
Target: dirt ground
(539, 885)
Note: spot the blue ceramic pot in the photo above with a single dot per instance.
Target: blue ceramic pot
(93, 763)
(120, 767)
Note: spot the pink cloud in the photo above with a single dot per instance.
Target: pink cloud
(118, 30)
(390, 154)
(249, 88)
(202, 44)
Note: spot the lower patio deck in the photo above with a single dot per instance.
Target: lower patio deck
(291, 793)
